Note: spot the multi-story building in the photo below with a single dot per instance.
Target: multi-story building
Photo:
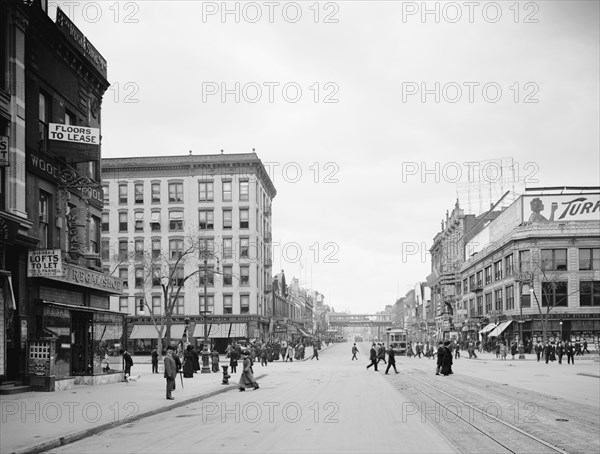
(183, 214)
(56, 325)
(531, 273)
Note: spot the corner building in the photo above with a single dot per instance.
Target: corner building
(155, 207)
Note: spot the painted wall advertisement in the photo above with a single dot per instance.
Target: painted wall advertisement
(561, 208)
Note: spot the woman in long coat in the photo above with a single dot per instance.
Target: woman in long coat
(247, 377)
(188, 363)
(214, 356)
(446, 360)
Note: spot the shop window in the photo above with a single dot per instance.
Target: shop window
(206, 191)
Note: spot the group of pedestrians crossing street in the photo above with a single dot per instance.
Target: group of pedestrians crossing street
(378, 352)
(551, 351)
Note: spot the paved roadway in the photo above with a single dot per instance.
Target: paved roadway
(336, 405)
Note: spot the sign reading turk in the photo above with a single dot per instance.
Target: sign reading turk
(77, 134)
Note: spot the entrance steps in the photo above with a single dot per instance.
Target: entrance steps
(14, 387)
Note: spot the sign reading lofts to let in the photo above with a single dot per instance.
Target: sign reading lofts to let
(44, 263)
(75, 134)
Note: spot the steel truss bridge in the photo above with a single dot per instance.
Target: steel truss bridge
(359, 320)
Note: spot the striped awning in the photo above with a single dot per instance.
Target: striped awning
(144, 332)
(487, 328)
(221, 330)
(500, 328)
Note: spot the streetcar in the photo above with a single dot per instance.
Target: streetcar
(395, 339)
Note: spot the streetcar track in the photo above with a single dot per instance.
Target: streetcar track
(485, 414)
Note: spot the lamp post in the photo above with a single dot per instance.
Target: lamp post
(187, 330)
(561, 324)
(205, 354)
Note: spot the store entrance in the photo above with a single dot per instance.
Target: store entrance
(82, 359)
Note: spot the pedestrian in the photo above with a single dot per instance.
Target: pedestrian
(247, 379)
(446, 368)
(381, 353)
(290, 353)
(263, 356)
(440, 357)
(154, 355)
(128, 364)
(409, 351)
(196, 360)
(585, 349)
(373, 357)
(578, 348)
(538, 351)
(391, 361)
(457, 350)
(513, 349)
(570, 350)
(315, 352)
(214, 356)
(188, 362)
(354, 352)
(503, 350)
(233, 360)
(170, 371)
(560, 351)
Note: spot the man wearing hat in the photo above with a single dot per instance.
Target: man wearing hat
(170, 371)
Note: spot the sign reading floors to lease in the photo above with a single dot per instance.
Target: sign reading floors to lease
(76, 134)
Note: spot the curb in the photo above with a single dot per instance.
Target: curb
(73, 437)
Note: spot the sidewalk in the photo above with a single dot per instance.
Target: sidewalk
(37, 421)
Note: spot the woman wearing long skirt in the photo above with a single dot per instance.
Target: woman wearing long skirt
(247, 377)
(446, 368)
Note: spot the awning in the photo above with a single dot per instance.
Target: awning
(500, 328)
(145, 332)
(487, 328)
(221, 330)
(178, 329)
(465, 328)
(75, 307)
(304, 333)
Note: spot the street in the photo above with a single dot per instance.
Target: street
(336, 405)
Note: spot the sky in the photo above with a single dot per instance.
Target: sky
(367, 115)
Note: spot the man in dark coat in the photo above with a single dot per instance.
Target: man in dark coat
(373, 357)
(154, 355)
(538, 351)
(128, 362)
(170, 372)
(354, 352)
(381, 353)
(440, 357)
(391, 361)
(570, 351)
(446, 368)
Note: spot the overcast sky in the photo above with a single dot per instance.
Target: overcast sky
(515, 80)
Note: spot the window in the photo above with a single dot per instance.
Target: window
(589, 293)
(105, 222)
(124, 276)
(138, 190)
(122, 194)
(175, 249)
(123, 250)
(472, 282)
(509, 265)
(156, 276)
(589, 259)
(124, 304)
(177, 276)
(227, 275)
(244, 248)
(498, 299)
(155, 221)
(139, 249)
(210, 304)
(175, 192)
(94, 235)
(205, 191)
(244, 304)
(488, 303)
(244, 275)
(44, 119)
(554, 259)
(488, 275)
(227, 191)
(156, 248)
(139, 277)
(227, 248)
(156, 304)
(175, 221)
(480, 304)
(510, 297)
(44, 220)
(472, 307)
(155, 190)
(105, 254)
(208, 275)
(244, 191)
(227, 304)
(244, 218)
(206, 219)
(554, 294)
(498, 270)
(525, 295)
(138, 221)
(479, 278)
(206, 247)
(105, 194)
(227, 219)
(524, 261)
(179, 308)
(123, 221)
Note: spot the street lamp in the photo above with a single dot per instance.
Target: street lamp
(187, 330)
(205, 354)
